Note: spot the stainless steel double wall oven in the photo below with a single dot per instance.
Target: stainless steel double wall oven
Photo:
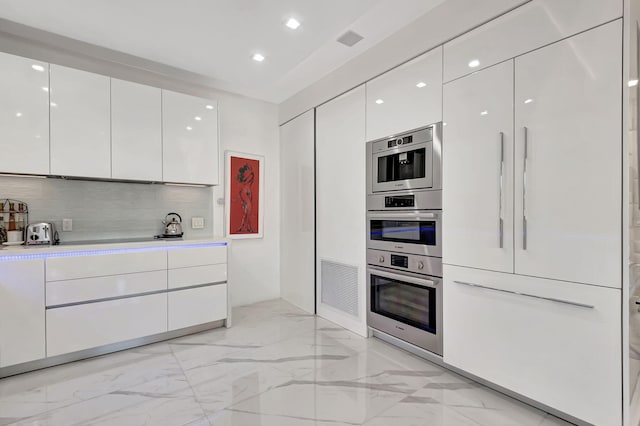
(404, 242)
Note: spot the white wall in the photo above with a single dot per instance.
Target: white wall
(297, 211)
(441, 24)
(246, 125)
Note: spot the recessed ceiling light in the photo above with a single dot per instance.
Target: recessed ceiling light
(421, 84)
(292, 23)
(633, 83)
(45, 88)
(485, 112)
(379, 101)
(528, 101)
(53, 104)
(37, 67)
(258, 57)
(197, 118)
(189, 127)
(474, 63)
(209, 107)
(18, 114)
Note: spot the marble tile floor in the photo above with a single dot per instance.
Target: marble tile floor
(277, 366)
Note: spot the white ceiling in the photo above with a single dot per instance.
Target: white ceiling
(216, 38)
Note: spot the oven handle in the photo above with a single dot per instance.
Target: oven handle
(418, 281)
(403, 215)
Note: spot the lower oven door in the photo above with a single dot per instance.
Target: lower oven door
(406, 306)
(416, 232)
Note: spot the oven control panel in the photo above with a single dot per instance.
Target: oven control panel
(418, 264)
(400, 201)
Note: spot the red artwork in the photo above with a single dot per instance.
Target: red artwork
(244, 196)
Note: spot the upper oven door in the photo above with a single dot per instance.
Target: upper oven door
(418, 232)
(404, 167)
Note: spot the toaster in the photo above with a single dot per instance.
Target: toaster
(41, 234)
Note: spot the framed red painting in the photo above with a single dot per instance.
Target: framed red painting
(244, 194)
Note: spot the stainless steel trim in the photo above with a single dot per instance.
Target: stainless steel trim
(422, 282)
(101, 350)
(524, 188)
(500, 217)
(171, 290)
(403, 215)
(551, 299)
(129, 296)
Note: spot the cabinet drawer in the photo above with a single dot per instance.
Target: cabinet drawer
(184, 258)
(208, 274)
(69, 268)
(79, 327)
(556, 353)
(197, 306)
(85, 289)
(526, 28)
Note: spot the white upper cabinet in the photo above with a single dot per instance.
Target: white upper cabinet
(526, 28)
(478, 170)
(80, 123)
(405, 98)
(136, 131)
(190, 139)
(568, 159)
(24, 115)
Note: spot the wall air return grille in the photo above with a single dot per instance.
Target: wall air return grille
(340, 286)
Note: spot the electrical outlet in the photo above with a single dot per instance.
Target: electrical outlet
(67, 225)
(197, 222)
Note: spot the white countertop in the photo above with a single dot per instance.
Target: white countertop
(107, 247)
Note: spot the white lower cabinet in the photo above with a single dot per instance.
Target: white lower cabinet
(197, 275)
(198, 305)
(90, 325)
(557, 343)
(22, 322)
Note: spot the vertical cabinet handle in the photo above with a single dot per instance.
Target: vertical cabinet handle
(500, 188)
(524, 189)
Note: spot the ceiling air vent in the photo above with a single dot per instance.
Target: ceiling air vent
(349, 38)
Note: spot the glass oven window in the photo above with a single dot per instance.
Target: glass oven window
(402, 166)
(408, 303)
(404, 231)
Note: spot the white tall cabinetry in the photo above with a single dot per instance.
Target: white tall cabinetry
(405, 98)
(568, 159)
(567, 218)
(24, 115)
(190, 139)
(478, 170)
(80, 123)
(297, 206)
(546, 302)
(136, 131)
(341, 207)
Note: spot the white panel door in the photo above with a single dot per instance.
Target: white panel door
(405, 98)
(197, 306)
(297, 205)
(136, 131)
(563, 355)
(524, 29)
(91, 325)
(80, 123)
(22, 322)
(341, 197)
(478, 170)
(568, 98)
(24, 115)
(189, 139)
